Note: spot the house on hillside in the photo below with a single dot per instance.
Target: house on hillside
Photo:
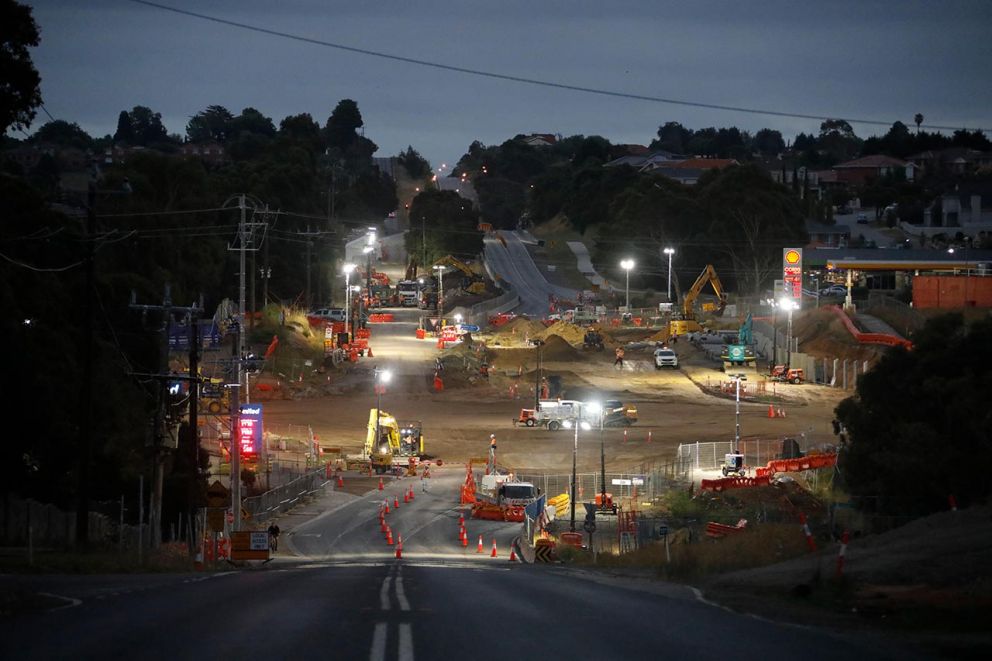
(208, 152)
(647, 160)
(967, 208)
(687, 171)
(540, 139)
(862, 170)
(951, 161)
(827, 236)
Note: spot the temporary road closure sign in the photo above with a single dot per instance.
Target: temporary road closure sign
(249, 545)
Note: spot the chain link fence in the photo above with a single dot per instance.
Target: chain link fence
(692, 457)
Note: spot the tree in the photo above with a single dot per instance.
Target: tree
(415, 165)
(919, 418)
(838, 141)
(20, 84)
(750, 218)
(252, 121)
(147, 126)
(125, 130)
(64, 134)
(918, 118)
(769, 143)
(213, 124)
(343, 124)
(450, 226)
(672, 137)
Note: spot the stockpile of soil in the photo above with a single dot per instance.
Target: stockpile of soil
(822, 334)
(516, 332)
(570, 333)
(558, 349)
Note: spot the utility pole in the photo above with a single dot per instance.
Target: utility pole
(164, 425)
(86, 395)
(306, 297)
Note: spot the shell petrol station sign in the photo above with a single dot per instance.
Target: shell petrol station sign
(792, 273)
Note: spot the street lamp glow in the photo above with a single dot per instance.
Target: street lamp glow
(669, 252)
(384, 376)
(367, 249)
(626, 265)
(347, 270)
(458, 318)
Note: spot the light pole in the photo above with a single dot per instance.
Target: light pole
(737, 411)
(789, 306)
(575, 452)
(539, 344)
(347, 269)
(669, 252)
(774, 304)
(597, 408)
(381, 379)
(356, 290)
(440, 289)
(626, 265)
(368, 249)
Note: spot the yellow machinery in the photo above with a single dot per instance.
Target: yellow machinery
(686, 321)
(476, 283)
(394, 441)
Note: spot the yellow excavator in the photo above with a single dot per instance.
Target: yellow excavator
(394, 440)
(475, 283)
(685, 322)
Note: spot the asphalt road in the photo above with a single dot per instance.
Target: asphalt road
(348, 597)
(514, 264)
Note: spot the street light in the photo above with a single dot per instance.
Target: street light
(575, 451)
(440, 289)
(597, 408)
(669, 252)
(347, 269)
(381, 379)
(788, 305)
(737, 412)
(626, 265)
(539, 344)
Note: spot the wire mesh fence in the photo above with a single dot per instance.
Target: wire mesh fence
(284, 497)
(757, 451)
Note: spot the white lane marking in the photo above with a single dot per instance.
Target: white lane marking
(378, 651)
(406, 643)
(73, 602)
(384, 602)
(401, 594)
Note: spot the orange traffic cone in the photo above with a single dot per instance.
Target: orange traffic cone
(396, 503)
(411, 492)
(340, 482)
(380, 484)
(389, 536)
(386, 509)
(406, 497)
(624, 435)
(479, 550)
(382, 525)
(771, 411)
(513, 554)
(493, 553)
(371, 356)
(399, 548)
(464, 540)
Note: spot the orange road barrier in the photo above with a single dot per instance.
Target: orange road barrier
(809, 462)
(734, 483)
(479, 550)
(492, 554)
(718, 530)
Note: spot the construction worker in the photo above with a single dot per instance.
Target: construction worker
(619, 354)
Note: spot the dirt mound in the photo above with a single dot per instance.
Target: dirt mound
(520, 327)
(556, 348)
(822, 334)
(570, 333)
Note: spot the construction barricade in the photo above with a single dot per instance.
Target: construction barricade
(380, 317)
(718, 530)
(795, 465)
(734, 483)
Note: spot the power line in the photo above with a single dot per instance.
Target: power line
(39, 269)
(525, 80)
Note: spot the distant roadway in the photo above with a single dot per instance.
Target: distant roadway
(508, 259)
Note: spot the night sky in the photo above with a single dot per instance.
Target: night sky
(861, 59)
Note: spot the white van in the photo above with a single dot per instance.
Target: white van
(330, 314)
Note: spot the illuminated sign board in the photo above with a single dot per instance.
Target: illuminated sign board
(250, 429)
(792, 273)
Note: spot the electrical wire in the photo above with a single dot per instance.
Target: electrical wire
(524, 80)
(37, 269)
(138, 214)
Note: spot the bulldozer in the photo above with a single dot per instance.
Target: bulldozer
(685, 322)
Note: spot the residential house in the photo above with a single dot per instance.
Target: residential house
(540, 139)
(646, 161)
(862, 170)
(211, 153)
(827, 236)
(968, 207)
(951, 161)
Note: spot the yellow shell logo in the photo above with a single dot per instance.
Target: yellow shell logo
(792, 257)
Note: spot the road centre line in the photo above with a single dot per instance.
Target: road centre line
(406, 643)
(378, 651)
(401, 594)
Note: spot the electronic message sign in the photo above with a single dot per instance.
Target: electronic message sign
(250, 429)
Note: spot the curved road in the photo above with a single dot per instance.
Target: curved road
(513, 263)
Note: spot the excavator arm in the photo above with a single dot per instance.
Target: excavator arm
(707, 276)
